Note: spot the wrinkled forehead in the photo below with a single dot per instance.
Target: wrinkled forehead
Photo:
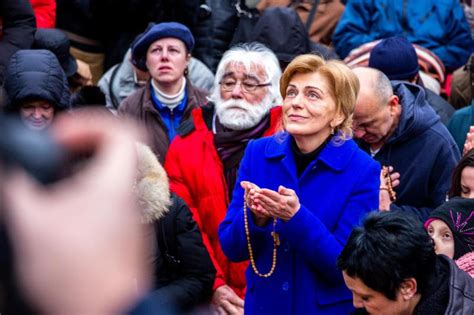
(242, 71)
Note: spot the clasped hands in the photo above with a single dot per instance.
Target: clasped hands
(266, 203)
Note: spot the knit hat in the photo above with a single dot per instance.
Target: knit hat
(458, 214)
(396, 58)
(155, 32)
(58, 43)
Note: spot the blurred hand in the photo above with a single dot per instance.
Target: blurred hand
(282, 204)
(225, 301)
(78, 243)
(469, 143)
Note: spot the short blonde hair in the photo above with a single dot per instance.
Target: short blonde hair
(342, 82)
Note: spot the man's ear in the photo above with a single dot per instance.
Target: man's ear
(408, 288)
(393, 103)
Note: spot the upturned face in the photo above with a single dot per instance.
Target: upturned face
(244, 98)
(166, 60)
(442, 237)
(309, 108)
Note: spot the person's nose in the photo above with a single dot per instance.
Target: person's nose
(237, 91)
(297, 101)
(37, 113)
(436, 242)
(164, 54)
(357, 301)
(358, 132)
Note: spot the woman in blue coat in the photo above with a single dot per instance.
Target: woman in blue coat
(304, 191)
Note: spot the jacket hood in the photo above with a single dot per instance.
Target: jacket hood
(152, 185)
(416, 116)
(36, 74)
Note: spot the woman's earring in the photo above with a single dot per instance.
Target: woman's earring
(186, 71)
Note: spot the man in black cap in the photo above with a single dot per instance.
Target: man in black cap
(397, 59)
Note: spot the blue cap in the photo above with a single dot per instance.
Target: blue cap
(155, 32)
(396, 58)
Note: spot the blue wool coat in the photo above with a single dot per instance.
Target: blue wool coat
(336, 190)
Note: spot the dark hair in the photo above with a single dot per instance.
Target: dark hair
(88, 96)
(387, 249)
(467, 160)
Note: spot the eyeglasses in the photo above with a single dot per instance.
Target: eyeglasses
(249, 87)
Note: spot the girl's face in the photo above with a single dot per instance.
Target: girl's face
(442, 237)
(467, 182)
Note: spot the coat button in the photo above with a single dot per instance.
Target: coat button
(285, 286)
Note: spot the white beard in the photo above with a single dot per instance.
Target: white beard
(239, 114)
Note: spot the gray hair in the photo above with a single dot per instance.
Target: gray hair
(382, 87)
(248, 54)
(376, 82)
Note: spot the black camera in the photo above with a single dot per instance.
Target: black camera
(34, 151)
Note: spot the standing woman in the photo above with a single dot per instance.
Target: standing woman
(164, 50)
(301, 193)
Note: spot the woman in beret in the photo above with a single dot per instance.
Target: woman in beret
(166, 100)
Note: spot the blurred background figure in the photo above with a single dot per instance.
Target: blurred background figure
(439, 26)
(281, 30)
(183, 273)
(45, 13)
(36, 87)
(77, 72)
(17, 30)
(75, 246)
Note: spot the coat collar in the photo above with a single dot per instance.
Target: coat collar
(334, 155)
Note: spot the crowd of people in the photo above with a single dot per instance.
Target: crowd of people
(237, 156)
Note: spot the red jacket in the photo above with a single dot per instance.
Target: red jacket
(45, 13)
(196, 174)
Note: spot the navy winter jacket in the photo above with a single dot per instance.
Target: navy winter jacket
(422, 150)
(36, 74)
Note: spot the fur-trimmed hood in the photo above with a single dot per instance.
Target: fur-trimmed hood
(152, 185)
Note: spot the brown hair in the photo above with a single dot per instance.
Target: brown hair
(466, 160)
(343, 85)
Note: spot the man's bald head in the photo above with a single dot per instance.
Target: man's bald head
(374, 84)
(377, 109)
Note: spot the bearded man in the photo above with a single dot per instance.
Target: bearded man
(203, 160)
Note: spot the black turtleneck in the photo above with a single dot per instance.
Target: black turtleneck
(302, 160)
